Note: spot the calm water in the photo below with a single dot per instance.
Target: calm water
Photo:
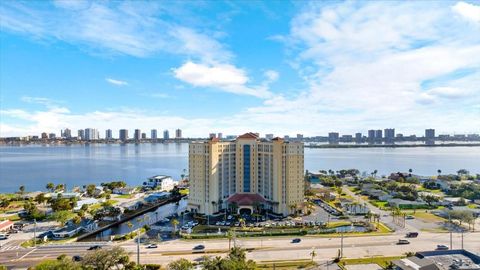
(76, 165)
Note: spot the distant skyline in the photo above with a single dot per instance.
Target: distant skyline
(278, 67)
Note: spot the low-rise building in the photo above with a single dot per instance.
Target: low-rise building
(70, 229)
(124, 190)
(6, 225)
(439, 260)
(155, 197)
(160, 182)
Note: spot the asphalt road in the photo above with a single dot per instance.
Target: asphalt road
(264, 249)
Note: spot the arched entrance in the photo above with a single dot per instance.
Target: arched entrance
(245, 210)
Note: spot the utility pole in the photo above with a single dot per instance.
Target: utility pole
(138, 247)
(450, 228)
(341, 245)
(34, 232)
(462, 238)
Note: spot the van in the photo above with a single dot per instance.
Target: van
(411, 234)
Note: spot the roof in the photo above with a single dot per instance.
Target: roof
(415, 263)
(245, 198)
(249, 135)
(5, 224)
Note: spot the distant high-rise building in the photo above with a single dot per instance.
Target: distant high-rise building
(371, 136)
(220, 135)
(178, 133)
(389, 135)
(153, 134)
(51, 136)
(212, 135)
(123, 135)
(378, 135)
(269, 136)
(137, 135)
(91, 134)
(66, 133)
(286, 137)
(430, 136)
(299, 136)
(81, 134)
(166, 135)
(333, 138)
(108, 134)
(44, 135)
(358, 137)
(144, 135)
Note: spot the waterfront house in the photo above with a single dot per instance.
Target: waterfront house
(160, 182)
(124, 190)
(131, 206)
(67, 195)
(404, 204)
(155, 197)
(71, 228)
(87, 201)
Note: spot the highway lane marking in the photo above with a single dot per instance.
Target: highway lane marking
(26, 254)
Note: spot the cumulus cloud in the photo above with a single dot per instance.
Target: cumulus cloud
(469, 11)
(225, 77)
(116, 82)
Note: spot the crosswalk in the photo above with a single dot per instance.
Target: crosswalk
(12, 245)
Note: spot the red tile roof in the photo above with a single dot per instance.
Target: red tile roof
(246, 198)
(5, 225)
(249, 135)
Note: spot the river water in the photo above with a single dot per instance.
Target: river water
(77, 165)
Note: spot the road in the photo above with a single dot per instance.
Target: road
(264, 249)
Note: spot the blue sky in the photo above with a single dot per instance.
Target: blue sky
(235, 66)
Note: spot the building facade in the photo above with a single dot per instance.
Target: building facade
(247, 172)
(178, 133)
(153, 134)
(123, 135)
(108, 134)
(166, 135)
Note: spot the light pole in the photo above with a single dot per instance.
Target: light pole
(138, 247)
(450, 228)
(341, 245)
(34, 232)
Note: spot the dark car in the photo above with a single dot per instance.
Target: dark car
(95, 247)
(442, 247)
(199, 247)
(296, 240)
(411, 234)
(77, 258)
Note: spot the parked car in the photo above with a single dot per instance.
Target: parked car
(95, 247)
(442, 247)
(77, 258)
(411, 234)
(410, 217)
(199, 247)
(403, 242)
(152, 246)
(296, 240)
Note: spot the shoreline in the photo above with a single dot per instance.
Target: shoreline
(393, 145)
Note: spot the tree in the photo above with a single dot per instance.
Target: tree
(21, 189)
(4, 203)
(313, 253)
(62, 216)
(230, 236)
(106, 259)
(175, 222)
(180, 264)
(439, 171)
(50, 186)
(61, 263)
(90, 190)
(41, 198)
(60, 187)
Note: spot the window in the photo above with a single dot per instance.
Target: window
(246, 168)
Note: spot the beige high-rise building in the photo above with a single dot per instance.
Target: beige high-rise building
(247, 174)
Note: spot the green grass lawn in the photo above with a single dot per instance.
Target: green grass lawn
(381, 261)
(425, 216)
(284, 265)
(125, 196)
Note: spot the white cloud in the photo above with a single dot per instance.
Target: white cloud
(116, 82)
(448, 92)
(271, 75)
(225, 77)
(469, 11)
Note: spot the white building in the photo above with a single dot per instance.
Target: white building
(160, 182)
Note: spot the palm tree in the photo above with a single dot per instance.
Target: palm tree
(439, 171)
(130, 225)
(21, 189)
(313, 253)
(175, 223)
(293, 208)
(50, 186)
(230, 236)
(375, 173)
(242, 222)
(410, 172)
